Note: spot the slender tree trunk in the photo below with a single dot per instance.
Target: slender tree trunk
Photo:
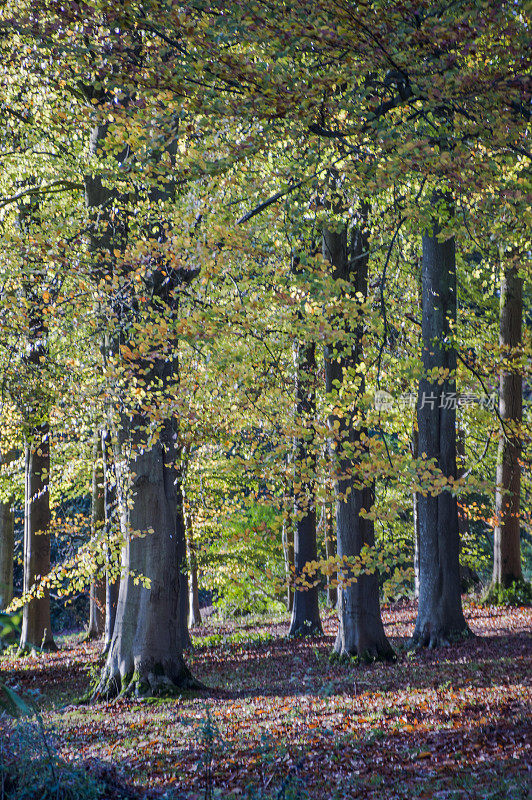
(97, 596)
(193, 586)
(330, 552)
(507, 543)
(305, 612)
(415, 509)
(112, 584)
(7, 552)
(287, 537)
(186, 641)
(361, 631)
(440, 618)
(36, 624)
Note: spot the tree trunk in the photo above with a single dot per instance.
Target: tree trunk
(415, 510)
(97, 596)
(440, 618)
(507, 544)
(193, 601)
(112, 584)
(145, 654)
(7, 553)
(361, 631)
(186, 641)
(330, 551)
(36, 625)
(305, 613)
(287, 538)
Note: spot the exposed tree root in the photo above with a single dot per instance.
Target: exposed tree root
(147, 684)
(427, 636)
(377, 651)
(305, 630)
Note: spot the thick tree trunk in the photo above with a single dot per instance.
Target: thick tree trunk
(145, 655)
(440, 618)
(361, 631)
(96, 627)
(7, 553)
(36, 625)
(507, 543)
(305, 613)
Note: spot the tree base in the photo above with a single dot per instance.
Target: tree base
(299, 631)
(150, 684)
(512, 593)
(435, 638)
(91, 636)
(28, 649)
(370, 652)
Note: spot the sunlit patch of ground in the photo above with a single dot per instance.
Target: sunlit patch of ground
(449, 723)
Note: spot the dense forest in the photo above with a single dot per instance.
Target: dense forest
(266, 399)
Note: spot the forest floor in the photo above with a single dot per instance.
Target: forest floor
(283, 721)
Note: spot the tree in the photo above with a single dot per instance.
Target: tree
(7, 547)
(305, 610)
(440, 618)
(361, 631)
(506, 546)
(36, 624)
(97, 595)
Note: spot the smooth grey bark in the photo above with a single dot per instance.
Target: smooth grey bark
(7, 552)
(360, 630)
(507, 543)
(96, 627)
(305, 612)
(440, 617)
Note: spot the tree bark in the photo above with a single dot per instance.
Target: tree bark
(440, 618)
(360, 631)
(7, 552)
(507, 543)
(97, 595)
(305, 613)
(145, 654)
(36, 625)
